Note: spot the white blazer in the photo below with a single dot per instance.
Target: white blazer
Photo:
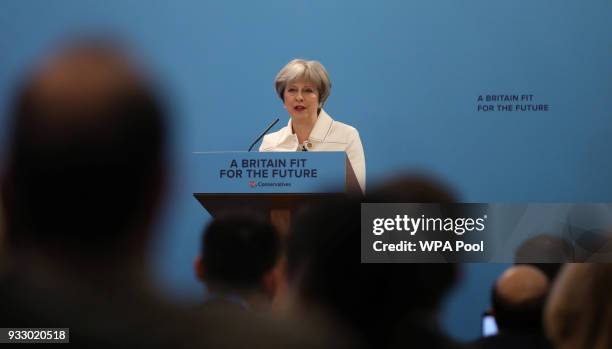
(327, 135)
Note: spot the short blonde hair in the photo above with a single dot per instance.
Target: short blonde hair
(300, 69)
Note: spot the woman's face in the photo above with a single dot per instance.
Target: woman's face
(301, 98)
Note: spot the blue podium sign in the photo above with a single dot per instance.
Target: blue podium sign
(271, 172)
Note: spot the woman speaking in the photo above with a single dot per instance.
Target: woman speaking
(304, 86)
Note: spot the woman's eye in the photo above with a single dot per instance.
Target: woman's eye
(292, 90)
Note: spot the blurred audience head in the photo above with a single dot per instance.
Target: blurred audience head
(86, 162)
(372, 300)
(588, 228)
(239, 254)
(545, 252)
(518, 299)
(579, 312)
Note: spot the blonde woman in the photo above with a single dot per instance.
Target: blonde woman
(304, 86)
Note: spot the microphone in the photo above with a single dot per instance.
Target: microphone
(264, 133)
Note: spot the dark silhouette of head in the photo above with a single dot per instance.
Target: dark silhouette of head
(373, 300)
(238, 254)
(545, 252)
(518, 299)
(578, 312)
(87, 155)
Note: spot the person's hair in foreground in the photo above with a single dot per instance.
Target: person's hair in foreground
(238, 257)
(579, 312)
(545, 252)
(518, 299)
(84, 176)
(86, 159)
(385, 305)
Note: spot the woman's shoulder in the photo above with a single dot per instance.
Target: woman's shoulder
(333, 129)
(340, 126)
(342, 131)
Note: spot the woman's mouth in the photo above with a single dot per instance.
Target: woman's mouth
(299, 108)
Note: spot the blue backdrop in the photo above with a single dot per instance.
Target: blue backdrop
(407, 74)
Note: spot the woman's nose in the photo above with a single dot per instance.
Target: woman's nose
(299, 96)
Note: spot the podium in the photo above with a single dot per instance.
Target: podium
(271, 184)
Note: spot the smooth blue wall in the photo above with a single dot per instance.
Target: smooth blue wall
(405, 73)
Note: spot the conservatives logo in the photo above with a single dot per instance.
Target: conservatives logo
(254, 184)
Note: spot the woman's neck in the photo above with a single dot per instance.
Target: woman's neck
(302, 128)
